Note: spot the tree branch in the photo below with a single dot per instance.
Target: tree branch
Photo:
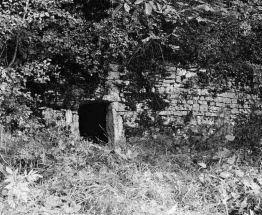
(2, 50)
(17, 38)
(6, 61)
(15, 53)
(26, 8)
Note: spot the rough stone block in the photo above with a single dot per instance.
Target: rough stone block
(234, 101)
(169, 81)
(177, 85)
(248, 96)
(228, 95)
(112, 97)
(172, 74)
(220, 99)
(166, 85)
(178, 113)
(184, 113)
(199, 113)
(113, 76)
(195, 107)
(219, 104)
(227, 100)
(161, 89)
(173, 102)
(223, 95)
(175, 94)
(210, 114)
(202, 102)
(181, 72)
(234, 105)
(121, 107)
(231, 95)
(209, 98)
(203, 108)
(174, 98)
(203, 92)
(190, 74)
(164, 113)
(188, 106)
(214, 108)
(234, 111)
(180, 108)
(172, 69)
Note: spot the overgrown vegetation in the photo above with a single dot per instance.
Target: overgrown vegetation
(54, 53)
(53, 172)
(62, 50)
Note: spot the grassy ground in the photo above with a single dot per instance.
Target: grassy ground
(141, 177)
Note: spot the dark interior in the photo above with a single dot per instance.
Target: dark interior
(92, 121)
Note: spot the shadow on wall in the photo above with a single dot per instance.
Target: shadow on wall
(92, 121)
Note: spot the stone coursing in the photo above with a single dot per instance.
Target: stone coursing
(182, 101)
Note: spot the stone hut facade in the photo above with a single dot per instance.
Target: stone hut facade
(111, 116)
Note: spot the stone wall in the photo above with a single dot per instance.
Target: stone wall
(66, 119)
(200, 101)
(182, 99)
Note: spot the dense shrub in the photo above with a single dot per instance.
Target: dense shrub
(248, 130)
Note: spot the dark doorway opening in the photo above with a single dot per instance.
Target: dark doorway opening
(92, 121)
